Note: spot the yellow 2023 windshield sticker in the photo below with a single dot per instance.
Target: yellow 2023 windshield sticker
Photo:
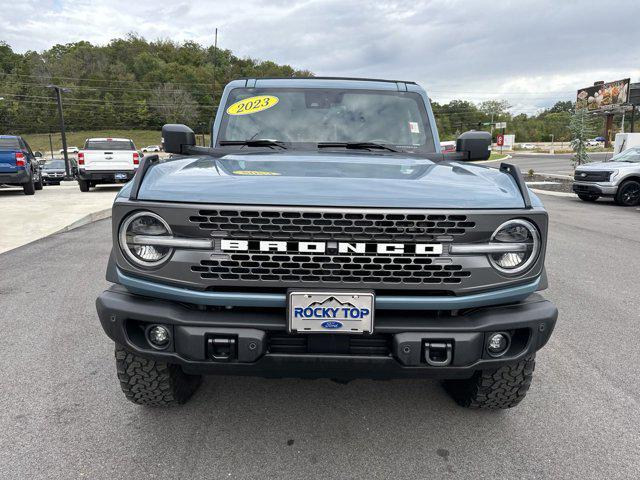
(252, 105)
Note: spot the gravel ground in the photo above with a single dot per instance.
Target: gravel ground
(545, 182)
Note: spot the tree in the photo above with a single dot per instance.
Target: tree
(563, 106)
(494, 107)
(174, 104)
(581, 127)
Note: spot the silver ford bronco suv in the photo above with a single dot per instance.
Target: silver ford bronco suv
(324, 234)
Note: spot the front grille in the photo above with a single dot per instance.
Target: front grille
(372, 345)
(307, 225)
(586, 176)
(353, 269)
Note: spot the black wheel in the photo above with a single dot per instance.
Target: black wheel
(151, 383)
(29, 187)
(84, 185)
(628, 194)
(588, 198)
(504, 387)
(38, 184)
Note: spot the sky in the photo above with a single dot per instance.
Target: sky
(529, 52)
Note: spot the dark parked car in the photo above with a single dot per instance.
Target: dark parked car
(53, 172)
(19, 166)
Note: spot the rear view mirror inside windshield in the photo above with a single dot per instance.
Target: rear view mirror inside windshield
(322, 99)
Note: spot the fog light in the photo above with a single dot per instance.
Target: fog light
(498, 344)
(158, 336)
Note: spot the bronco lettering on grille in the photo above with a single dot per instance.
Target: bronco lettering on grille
(322, 247)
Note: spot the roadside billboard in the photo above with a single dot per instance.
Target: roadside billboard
(606, 96)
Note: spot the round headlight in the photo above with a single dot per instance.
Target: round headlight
(520, 232)
(136, 242)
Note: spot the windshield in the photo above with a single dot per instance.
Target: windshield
(301, 116)
(54, 165)
(109, 145)
(632, 155)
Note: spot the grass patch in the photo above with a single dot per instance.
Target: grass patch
(141, 138)
(497, 155)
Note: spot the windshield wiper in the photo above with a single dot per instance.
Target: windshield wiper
(258, 142)
(358, 146)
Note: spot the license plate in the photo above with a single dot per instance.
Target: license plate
(121, 176)
(331, 312)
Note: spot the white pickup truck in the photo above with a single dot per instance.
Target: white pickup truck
(106, 160)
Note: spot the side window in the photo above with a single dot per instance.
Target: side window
(28, 148)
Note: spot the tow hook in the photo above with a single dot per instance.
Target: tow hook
(221, 349)
(438, 354)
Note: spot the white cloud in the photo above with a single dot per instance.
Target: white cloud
(530, 52)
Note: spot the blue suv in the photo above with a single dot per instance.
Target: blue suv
(19, 166)
(323, 233)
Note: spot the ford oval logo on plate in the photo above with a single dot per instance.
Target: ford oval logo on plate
(331, 325)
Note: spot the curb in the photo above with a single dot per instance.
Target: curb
(553, 194)
(87, 219)
(506, 157)
(538, 154)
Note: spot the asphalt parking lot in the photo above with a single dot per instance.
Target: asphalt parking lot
(560, 164)
(64, 416)
(24, 219)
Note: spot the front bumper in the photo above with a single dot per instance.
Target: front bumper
(591, 188)
(108, 176)
(263, 346)
(53, 176)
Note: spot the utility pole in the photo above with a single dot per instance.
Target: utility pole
(51, 144)
(1, 120)
(215, 60)
(215, 64)
(59, 90)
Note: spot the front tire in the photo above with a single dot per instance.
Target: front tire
(628, 194)
(152, 383)
(38, 185)
(588, 198)
(84, 185)
(504, 387)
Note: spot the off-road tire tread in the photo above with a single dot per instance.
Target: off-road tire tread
(500, 388)
(152, 383)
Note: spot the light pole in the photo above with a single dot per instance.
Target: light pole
(551, 150)
(59, 90)
(50, 143)
(1, 122)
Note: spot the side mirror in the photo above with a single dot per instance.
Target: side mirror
(176, 138)
(37, 154)
(476, 145)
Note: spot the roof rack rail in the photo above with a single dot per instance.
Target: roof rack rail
(329, 78)
(514, 171)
